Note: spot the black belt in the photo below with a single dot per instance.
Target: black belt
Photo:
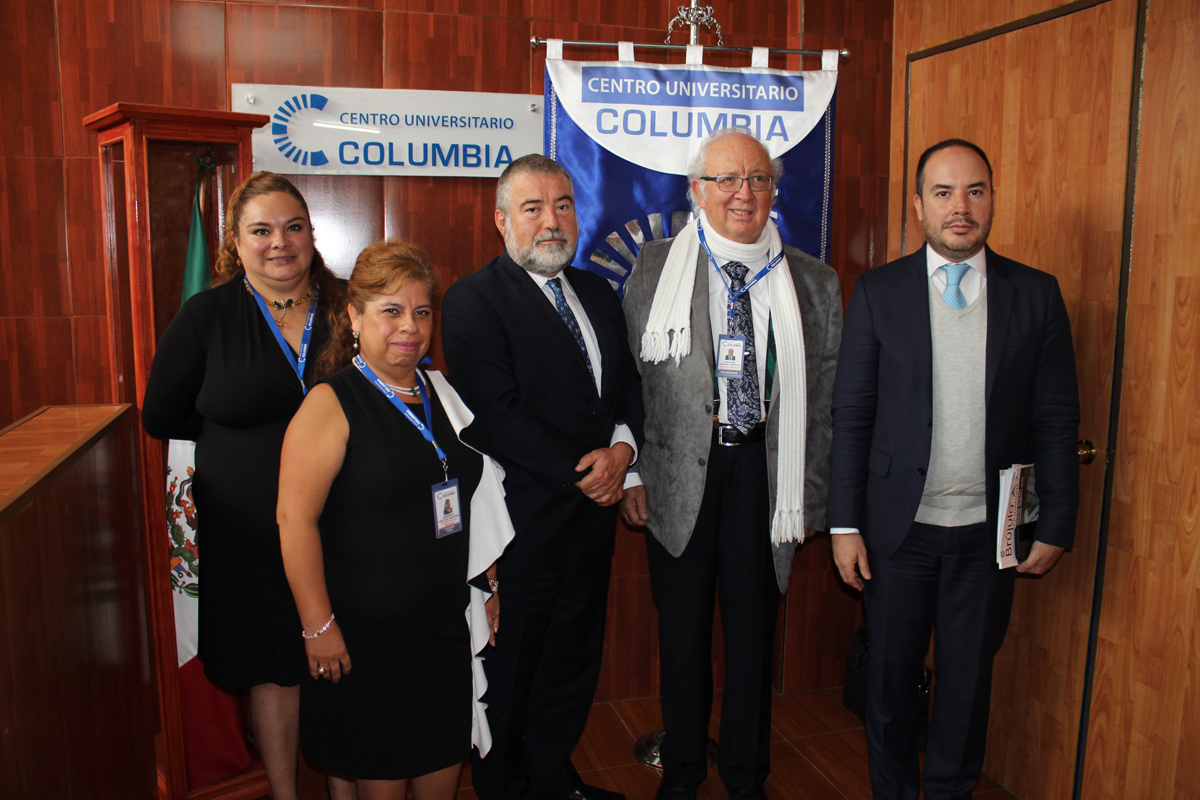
(730, 435)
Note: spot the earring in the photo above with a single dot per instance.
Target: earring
(355, 335)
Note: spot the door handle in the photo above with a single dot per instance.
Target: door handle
(1087, 451)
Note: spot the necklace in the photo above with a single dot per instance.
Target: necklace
(283, 305)
(404, 390)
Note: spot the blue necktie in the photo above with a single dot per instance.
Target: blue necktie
(953, 294)
(741, 394)
(564, 311)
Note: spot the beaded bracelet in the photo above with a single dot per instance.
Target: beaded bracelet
(494, 585)
(328, 625)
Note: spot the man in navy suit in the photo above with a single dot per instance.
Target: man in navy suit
(955, 363)
(539, 351)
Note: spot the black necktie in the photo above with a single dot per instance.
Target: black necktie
(564, 311)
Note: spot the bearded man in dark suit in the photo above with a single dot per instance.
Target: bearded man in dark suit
(956, 363)
(538, 350)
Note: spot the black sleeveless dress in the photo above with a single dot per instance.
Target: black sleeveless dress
(400, 596)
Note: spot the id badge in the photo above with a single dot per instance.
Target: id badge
(731, 354)
(447, 511)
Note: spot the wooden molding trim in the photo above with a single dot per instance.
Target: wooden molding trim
(118, 113)
(1114, 408)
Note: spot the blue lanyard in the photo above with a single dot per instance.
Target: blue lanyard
(297, 363)
(733, 296)
(425, 428)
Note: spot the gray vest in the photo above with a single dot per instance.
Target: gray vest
(955, 485)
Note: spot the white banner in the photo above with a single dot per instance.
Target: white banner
(656, 116)
(625, 131)
(318, 130)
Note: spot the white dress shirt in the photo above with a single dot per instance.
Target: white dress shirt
(972, 283)
(973, 280)
(621, 432)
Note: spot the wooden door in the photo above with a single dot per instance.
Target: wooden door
(1049, 100)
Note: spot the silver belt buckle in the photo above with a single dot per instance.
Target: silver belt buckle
(721, 430)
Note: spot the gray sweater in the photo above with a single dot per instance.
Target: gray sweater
(955, 485)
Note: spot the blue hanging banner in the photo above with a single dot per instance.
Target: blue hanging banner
(625, 131)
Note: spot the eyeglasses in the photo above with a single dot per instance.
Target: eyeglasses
(733, 183)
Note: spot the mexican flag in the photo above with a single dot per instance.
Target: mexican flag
(214, 735)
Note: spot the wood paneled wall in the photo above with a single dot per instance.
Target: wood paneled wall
(919, 26)
(72, 57)
(1145, 717)
(821, 613)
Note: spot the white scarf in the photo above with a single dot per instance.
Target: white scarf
(668, 334)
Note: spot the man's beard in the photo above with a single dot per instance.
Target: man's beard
(545, 260)
(953, 248)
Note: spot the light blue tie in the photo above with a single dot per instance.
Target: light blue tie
(564, 311)
(953, 294)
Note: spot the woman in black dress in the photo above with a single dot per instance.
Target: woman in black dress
(384, 515)
(227, 374)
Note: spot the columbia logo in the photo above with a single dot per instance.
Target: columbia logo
(279, 129)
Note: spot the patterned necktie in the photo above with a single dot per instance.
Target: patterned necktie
(741, 394)
(564, 311)
(953, 294)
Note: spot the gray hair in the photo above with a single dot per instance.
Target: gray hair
(695, 168)
(534, 163)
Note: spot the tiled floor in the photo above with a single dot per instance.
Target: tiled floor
(818, 751)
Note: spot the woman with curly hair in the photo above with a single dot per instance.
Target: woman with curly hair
(229, 373)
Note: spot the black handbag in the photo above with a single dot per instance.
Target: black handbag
(854, 690)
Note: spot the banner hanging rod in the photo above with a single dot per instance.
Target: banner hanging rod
(536, 41)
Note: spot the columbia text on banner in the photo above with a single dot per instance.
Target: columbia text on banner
(319, 130)
(626, 131)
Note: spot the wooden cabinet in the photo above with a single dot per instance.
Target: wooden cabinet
(76, 695)
(148, 175)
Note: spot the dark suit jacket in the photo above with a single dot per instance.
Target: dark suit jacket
(883, 399)
(519, 369)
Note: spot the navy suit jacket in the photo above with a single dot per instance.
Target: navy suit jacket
(883, 399)
(517, 366)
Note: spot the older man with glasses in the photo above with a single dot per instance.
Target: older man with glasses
(736, 458)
